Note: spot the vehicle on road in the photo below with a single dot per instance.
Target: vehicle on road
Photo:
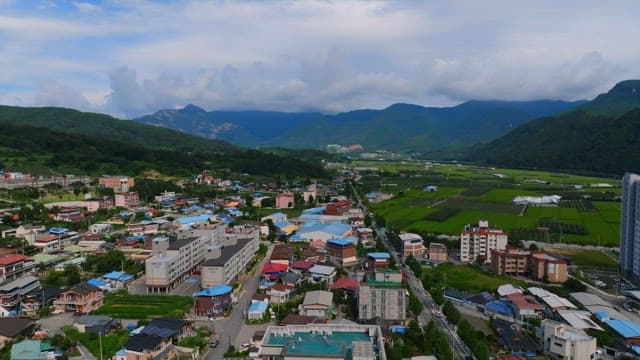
(244, 347)
(214, 343)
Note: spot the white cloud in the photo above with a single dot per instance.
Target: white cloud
(86, 7)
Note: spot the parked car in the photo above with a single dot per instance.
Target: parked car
(214, 343)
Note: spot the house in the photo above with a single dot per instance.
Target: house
(27, 232)
(317, 303)
(12, 327)
(31, 350)
(117, 279)
(412, 245)
(97, 229)
(341, 252)
(284, 200)
(290, 278)
(14, 266)
(12, 292)
(176, 329)
(524, 306)
(213, 301)
(301, 266)
(279, 293)
(437, 252)
(82, 298)
(95, 324)
(345, 283)
(275, 217)
(95, 204)
(70, 214)
(365, 235)
(476, 242)
(273, 271)
(145, 346)
(566, 342)
(117, 183)
(282, 254)
(382, 295)
(31, 303)
(319, 273)
(257, 310)
(378, 260)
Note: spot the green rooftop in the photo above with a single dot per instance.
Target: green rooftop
(371, 280)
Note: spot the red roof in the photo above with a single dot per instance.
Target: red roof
(522, 302)
(270, 268)
(280, 287)
(345, 283)
(302, 264)
(11, 259)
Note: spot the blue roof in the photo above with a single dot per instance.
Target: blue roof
(58, 230)
(626, 329)
(193, 219)
(351, 239)
(310, 217)
(258, 307)
(498, 306)
(96, 282)
(215, 291)
(379, 255)
(340, 242)
(602, 315)
(121, 352)
(636, 349)
(315, 210)
(118, 275)
(282, 224)
(335, 229)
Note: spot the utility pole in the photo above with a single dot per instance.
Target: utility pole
(100, 340)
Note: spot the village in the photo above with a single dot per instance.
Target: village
(281, 270)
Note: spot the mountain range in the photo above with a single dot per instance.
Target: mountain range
(600, 136)
(400, 127)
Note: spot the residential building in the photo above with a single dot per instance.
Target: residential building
(212, 232)
(172, 262)
(127, 199)
(382, 295)
(630, 226)
(338, 207)
(57, 239)
(412, 245)
(560, 341)
(476, 242)
(70, 214)
(510, 261)
(95, 204)
(279, 293)
(365, 235)
(549, 268)
(98, 229)
(341, 252)
(257, 310)
(438, 252)
(32, 350)
(95, 324)
(317, 303)
(117, 183)
(225, 263)
(82, 298)
(275, 217)
(524, 306)
(323, 341)
(318, 273)
(378, 260)
(30, 233)
(213, 301)
(13, 291)
(14, 266)
(284, 200)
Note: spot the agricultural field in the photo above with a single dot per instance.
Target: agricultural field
(466, 194)
(472, 278)
(125, 306)
(586, 258)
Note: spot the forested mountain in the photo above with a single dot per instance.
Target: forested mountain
(400, 127)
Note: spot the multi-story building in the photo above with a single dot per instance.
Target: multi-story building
(143, 228)
(57, 239)
(378, 260)
(225, 263)
(82, 298)
(127, 199)
(412, 245)
(382, 295)
(510, 261)
(476, 242)
(70, 214)
(549, 268)
(14, 266)
(12, 292)
(630, 226)
(438, 252)
(95, 204)
(284, 200)
(117, 183)
(172, 262)
(560, 341)
(341, 252)
(338, 207)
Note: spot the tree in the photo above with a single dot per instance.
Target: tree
(71, 273)
(367, 220)
(415, 305)
(450, 311)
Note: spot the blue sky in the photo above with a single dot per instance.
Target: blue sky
(130, 58)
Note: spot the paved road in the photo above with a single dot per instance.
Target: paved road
(459, 348)
(232, 330)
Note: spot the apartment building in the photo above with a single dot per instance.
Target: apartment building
(341, 252)
(172, 262)
(476, 242)
(382, 295)
(560, 341)
(412, 245)
(510, 262)
(117, 183)
(225, 263)
(438, 252)
(14, 266)
(549, 268)
(127, 199)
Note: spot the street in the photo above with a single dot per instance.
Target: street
(459, 348)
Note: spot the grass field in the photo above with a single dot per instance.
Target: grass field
(125, 306)
(472, 278)
(110, 343)
(586, 258)
(478, 194)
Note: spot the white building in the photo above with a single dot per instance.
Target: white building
(173, 262)
(476, 242)
(561, 341)
(317, 303)
(412, 245)
(630, 226)
(383, 295)
(225, 263)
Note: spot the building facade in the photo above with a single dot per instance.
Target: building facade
(341, 252)
(630, 226)
(172, 262)
(476, 242)
(512, 262)
(549, 268)
(560, 341)
(412, 245)
(438, 252)
(82, 298)
(127, 199)
(225, 263)
(117, 183)
(383, 295)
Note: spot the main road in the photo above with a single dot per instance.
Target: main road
(459, 348)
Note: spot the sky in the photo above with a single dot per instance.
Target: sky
(131, 58)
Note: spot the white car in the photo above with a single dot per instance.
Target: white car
(244, 347)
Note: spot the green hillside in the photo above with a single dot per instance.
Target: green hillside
(622, 98)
